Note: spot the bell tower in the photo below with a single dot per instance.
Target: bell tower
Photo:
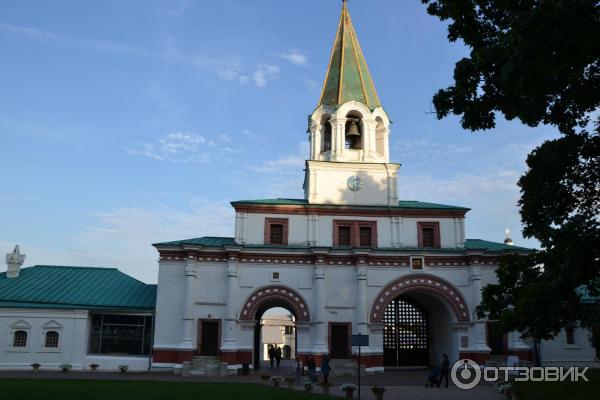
(349, 132)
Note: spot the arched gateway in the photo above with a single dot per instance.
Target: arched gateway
(409, 328)
(268, 297)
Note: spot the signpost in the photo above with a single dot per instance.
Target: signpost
(359, 341)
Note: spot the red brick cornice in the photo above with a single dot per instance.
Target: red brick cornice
(348, 211)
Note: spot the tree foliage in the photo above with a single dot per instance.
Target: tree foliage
(537, 61)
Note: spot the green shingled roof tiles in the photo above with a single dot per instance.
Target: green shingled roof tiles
(79, 287)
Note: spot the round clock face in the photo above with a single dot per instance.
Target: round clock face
(355, 183)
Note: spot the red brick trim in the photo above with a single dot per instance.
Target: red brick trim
(275, 293)
(370, 360)
(237, 357)
(329, 337)
(199, 335)
(479, 357)
(424, 283)
(436, 232)
(171, 356)
(277, 221)
(348, 212)
(354, 231)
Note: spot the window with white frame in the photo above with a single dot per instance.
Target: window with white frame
(51, 340)
(19, 336)
(50, 337)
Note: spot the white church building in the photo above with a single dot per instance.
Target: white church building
(348, 258)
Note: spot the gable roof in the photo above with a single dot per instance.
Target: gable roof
(51, 286)
(348, 77)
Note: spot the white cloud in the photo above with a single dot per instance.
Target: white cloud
(265, 73)
(181, 147)
(295, 56)
(123, 237)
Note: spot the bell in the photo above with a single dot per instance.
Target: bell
(353, 130)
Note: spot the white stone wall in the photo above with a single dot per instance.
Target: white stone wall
(391, 231)
(73, 329)
(557, 352)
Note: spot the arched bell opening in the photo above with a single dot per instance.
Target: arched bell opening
(326, 135)
(354, 131)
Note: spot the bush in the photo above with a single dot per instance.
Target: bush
(36, 367)
(65, 367)
(123, 368)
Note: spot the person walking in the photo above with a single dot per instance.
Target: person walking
(312, 369)
(325, 368)
(278, 356)
(271, 354)
(299, 372)
(445, 369)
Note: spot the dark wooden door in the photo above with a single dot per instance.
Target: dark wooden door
(209, 344)
(339, 341)
(495, 338)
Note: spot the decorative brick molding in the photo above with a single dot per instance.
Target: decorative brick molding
(278, 295)
(436, 233)
(423, 283)
(276, 221)
(355, 231)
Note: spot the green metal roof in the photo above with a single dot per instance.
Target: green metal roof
(480, 244)
(470, 244)
(348, 77)
(406, 204)
(50, 286)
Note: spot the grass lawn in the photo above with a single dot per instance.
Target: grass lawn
(134, 390)
(562, 390)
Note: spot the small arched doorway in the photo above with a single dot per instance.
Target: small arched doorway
(270, 297)
(406, 333)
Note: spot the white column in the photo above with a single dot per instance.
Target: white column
(338, 131)
(188, 313)
(229, 329)
(319, 299)
(479, 326)
(361, 317)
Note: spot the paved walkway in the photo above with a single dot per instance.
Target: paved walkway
(400, 384)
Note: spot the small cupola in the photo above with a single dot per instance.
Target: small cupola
(14, 261)
(508, 240)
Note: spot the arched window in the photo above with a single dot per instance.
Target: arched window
(51, 339)
(20, 339)
(326, 142)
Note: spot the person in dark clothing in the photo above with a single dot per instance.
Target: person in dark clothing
(445, 369)
(271, 355)
(312, 369)
(325, 368)
(278, 356)
(434, 377)
(299, 372)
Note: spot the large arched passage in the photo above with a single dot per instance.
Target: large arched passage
(417, 312)
(268, 298)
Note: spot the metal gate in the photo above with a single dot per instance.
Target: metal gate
(406, 334)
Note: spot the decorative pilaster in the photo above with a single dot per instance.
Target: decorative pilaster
(319, 297)
(188, 313)
(361, 297)
(479, 325)
(338, 131)
(312, 222)
(229, 329)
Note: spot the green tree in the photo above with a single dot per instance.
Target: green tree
(537, 61)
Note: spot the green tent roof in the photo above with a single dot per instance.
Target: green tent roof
(50, 286)
(348, 77)
(406, 204)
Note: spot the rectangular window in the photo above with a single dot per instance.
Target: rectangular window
(428, 237)
(276, 234)
(366, 236)
(121, 334)
(20, 339)
(276, 231)
(344, 236)
(429, 234)
(570, 333)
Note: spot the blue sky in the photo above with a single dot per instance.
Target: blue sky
(124, 123)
